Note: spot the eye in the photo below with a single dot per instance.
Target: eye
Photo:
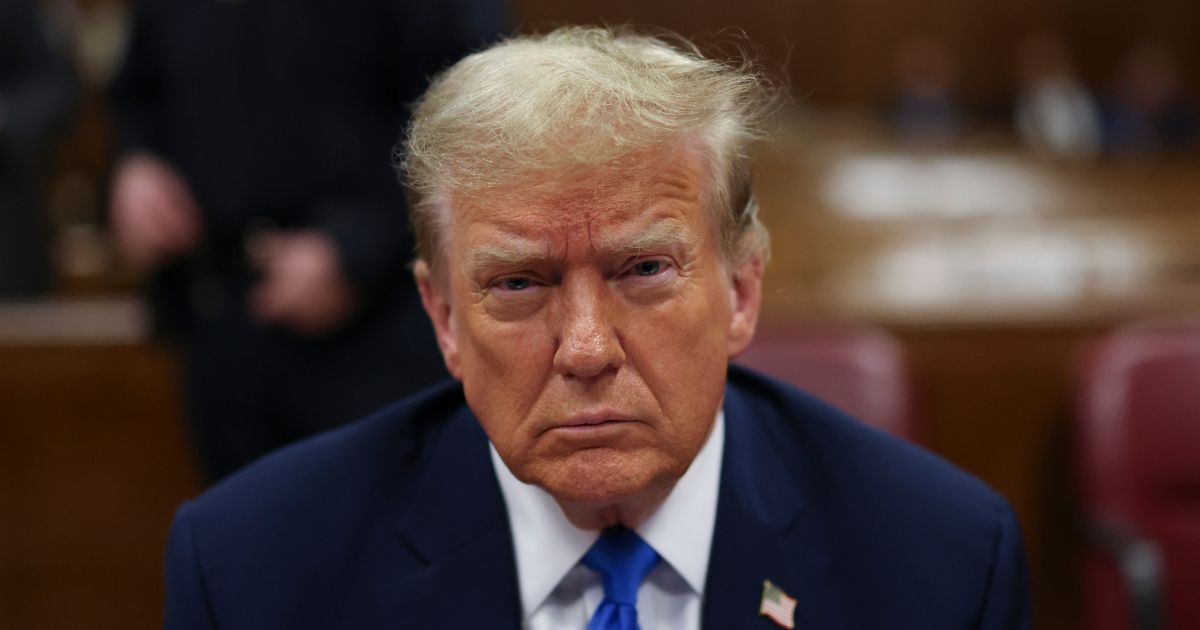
(647, 267)
(514, 297)
(516, 287)
(516, 283)
(646, 273)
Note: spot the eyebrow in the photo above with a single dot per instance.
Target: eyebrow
(519, 252)
(515, 253)
(662, 235)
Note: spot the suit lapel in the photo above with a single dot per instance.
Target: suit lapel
(457, 529)
(763, 530)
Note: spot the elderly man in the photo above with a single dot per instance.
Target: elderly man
(591, 259)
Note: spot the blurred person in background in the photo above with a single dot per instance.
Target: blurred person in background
(923, 110)
(1149, 112)
(254, 188)
(37, 94)
(1055, 114)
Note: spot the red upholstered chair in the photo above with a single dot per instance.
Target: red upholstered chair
(1139, 457)
(860, 370)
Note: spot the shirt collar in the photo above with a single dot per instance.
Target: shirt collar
(547, 545)
(681, 530)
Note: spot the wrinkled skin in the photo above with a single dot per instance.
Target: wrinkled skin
(591, 327)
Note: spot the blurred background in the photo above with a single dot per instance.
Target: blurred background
(985, 224)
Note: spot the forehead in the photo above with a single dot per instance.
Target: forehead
(655, 185)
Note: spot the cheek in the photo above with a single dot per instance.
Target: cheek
(509, 349)
(680, 350)
(693, 324)
(504, 365)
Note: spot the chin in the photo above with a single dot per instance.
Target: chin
(599, 477)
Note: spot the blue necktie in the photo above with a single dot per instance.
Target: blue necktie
(622, 559)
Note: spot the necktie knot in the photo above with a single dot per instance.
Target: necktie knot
(622, 559)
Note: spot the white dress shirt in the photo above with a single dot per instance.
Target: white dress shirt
(559, 593)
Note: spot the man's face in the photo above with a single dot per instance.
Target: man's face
(591, 326)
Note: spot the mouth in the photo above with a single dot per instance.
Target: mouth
(593, 422)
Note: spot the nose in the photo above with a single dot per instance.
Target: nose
(589, 345)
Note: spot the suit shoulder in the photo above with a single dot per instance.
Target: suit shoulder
(855, 458)
(317, 517)
(342, 467)
(916, 541)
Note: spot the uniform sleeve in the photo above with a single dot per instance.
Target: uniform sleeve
(417, 39)
(37, 89)
(137, 90)
(1006, 604)
(187, 606)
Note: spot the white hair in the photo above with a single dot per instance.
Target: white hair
(545, 108)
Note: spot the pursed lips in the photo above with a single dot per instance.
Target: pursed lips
(593, 420)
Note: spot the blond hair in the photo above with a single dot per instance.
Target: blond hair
(544, 108)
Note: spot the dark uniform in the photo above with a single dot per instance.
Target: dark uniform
(37, 92)
(282, 114)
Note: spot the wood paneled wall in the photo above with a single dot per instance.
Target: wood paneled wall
(93, 463)
(841, 52)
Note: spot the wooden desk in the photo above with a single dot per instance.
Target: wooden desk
(93, 463)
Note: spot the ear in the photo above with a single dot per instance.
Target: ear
(745, 296)
(435, 298)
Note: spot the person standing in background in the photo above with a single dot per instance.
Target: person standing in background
(1150, 112)
(37, 93)
(1055, 114)
(922, 106)
(254, 188)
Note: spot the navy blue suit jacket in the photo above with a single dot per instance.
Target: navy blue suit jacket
(397, 521)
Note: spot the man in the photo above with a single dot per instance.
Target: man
(591, 259)
(254, 190)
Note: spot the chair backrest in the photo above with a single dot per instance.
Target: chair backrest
(859, 369)
(1139, 458)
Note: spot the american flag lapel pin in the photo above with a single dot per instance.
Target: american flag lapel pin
(777, 606)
